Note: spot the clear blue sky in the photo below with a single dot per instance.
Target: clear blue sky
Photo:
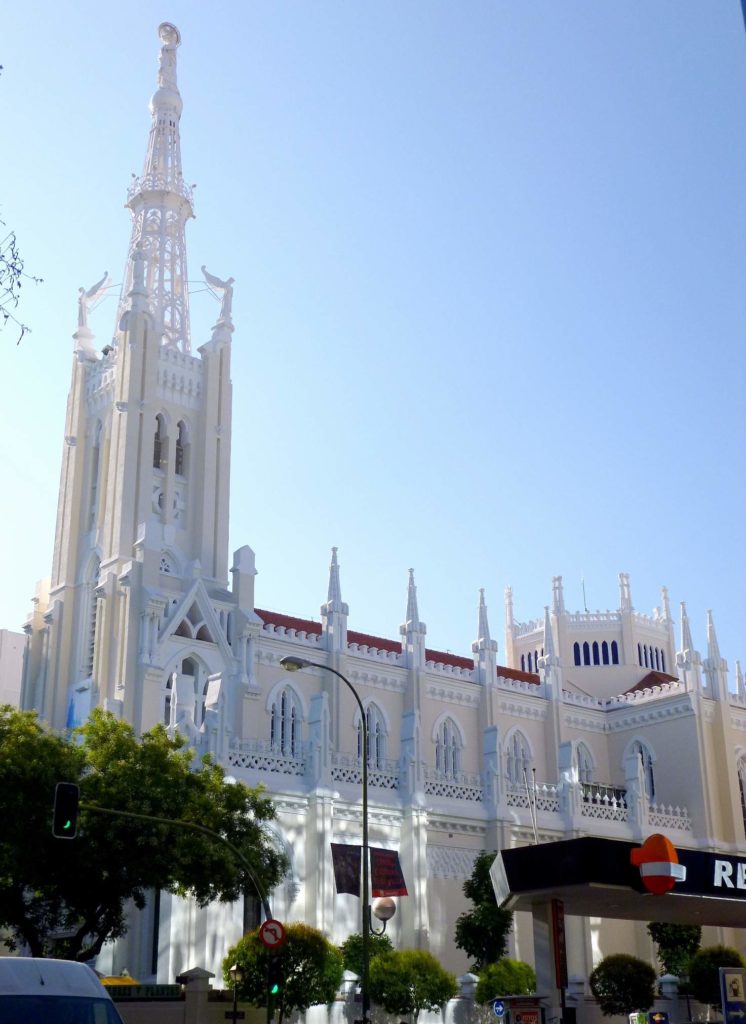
(489, 301)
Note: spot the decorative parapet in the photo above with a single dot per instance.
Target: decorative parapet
(300, 635)
(649, 693)
(450, 670)
(524, 628)
(544, 795)
(160, 183)
(522, 685)
(364, 651)
(99, 381)
(587, 620)
(669, 817)
(179, 376)
(258, 755)
(583, 699)
(384, 775)
(458, 786)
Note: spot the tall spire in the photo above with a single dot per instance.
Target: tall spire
(483, 626)
(161, 204)
(713, 648)
(686, 633)
(413, 631)
(334, 613)
(665, 604)
(740, 690)
(625, 594)
(558, 597)
(413, 615)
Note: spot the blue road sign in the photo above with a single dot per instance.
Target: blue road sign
(499, 1007)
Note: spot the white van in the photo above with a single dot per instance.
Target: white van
(52, 992)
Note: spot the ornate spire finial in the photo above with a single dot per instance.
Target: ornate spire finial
(483, 626)
(739, 681)
(509, 623)
(549, 652)
(665, 604)
(334, 594)
(713, 648)
(625, 594)
(412, 623)
(558, 596)
(161, 204)
(686, 633)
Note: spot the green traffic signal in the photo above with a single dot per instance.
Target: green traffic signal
(275, 974)
(65, 814)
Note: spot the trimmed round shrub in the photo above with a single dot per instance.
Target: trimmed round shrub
(505, 978)
(621, 984)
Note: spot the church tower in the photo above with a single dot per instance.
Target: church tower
(136, 616)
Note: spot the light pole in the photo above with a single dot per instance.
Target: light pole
(292, 664)
(236, 973)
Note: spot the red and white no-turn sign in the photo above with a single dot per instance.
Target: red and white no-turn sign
(272, 934)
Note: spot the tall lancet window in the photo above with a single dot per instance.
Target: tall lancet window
(180, 461)
(375, 728)
(284, 725)
(95, 472)
(91, 610)
(448, 748)
(742, 788)
(646, 760)
(159, 439)
(518, 760)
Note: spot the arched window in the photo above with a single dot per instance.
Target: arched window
(645, 655)
(663, 661)
(518, 759)
(586, 653)
(181, 448)
(742, 788)
(596, 659)
(89, 641)
(646, 759)
(657, 658)
(639, 655)
(576, 653)
(605, 652)
(284, 726)
(530, 662)
(95, 472)
(158, 440)
(448, 748)
(375, 729)
(614, 653)
(585, 763)
(523, 663)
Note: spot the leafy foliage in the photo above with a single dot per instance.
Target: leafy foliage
(407, 981)
(312, 969)
(81, 886)
(621, 984)
(505, 978)
(704, 972)
(483, 932)
(352, 950)
(677, 944)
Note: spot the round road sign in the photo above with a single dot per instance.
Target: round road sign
(499, 1007)
(272, 934)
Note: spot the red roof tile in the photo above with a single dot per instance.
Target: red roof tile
(650, 680)
(382, 644)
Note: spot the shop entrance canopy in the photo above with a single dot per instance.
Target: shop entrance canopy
(595, 877)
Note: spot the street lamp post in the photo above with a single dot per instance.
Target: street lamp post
(236, 974)
(292, 664)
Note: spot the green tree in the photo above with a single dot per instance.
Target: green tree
(483, 932)
(352, 950)
(505, 978)
(704, 972)
(407, 981)
(81, 886)
(677, 944)
(621, 984)
(312, 969)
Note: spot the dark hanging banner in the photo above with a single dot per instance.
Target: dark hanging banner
(346, 861)
(386, 874)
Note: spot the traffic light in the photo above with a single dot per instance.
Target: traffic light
(275, 974)
(65, 816)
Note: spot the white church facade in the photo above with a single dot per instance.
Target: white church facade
(586, 722)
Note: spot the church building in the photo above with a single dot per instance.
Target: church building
(577, 730)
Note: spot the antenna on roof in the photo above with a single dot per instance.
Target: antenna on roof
(585, 603)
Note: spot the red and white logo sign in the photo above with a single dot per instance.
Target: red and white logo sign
(659, 865)
(272, 934)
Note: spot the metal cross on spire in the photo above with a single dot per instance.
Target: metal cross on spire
(161, 203)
